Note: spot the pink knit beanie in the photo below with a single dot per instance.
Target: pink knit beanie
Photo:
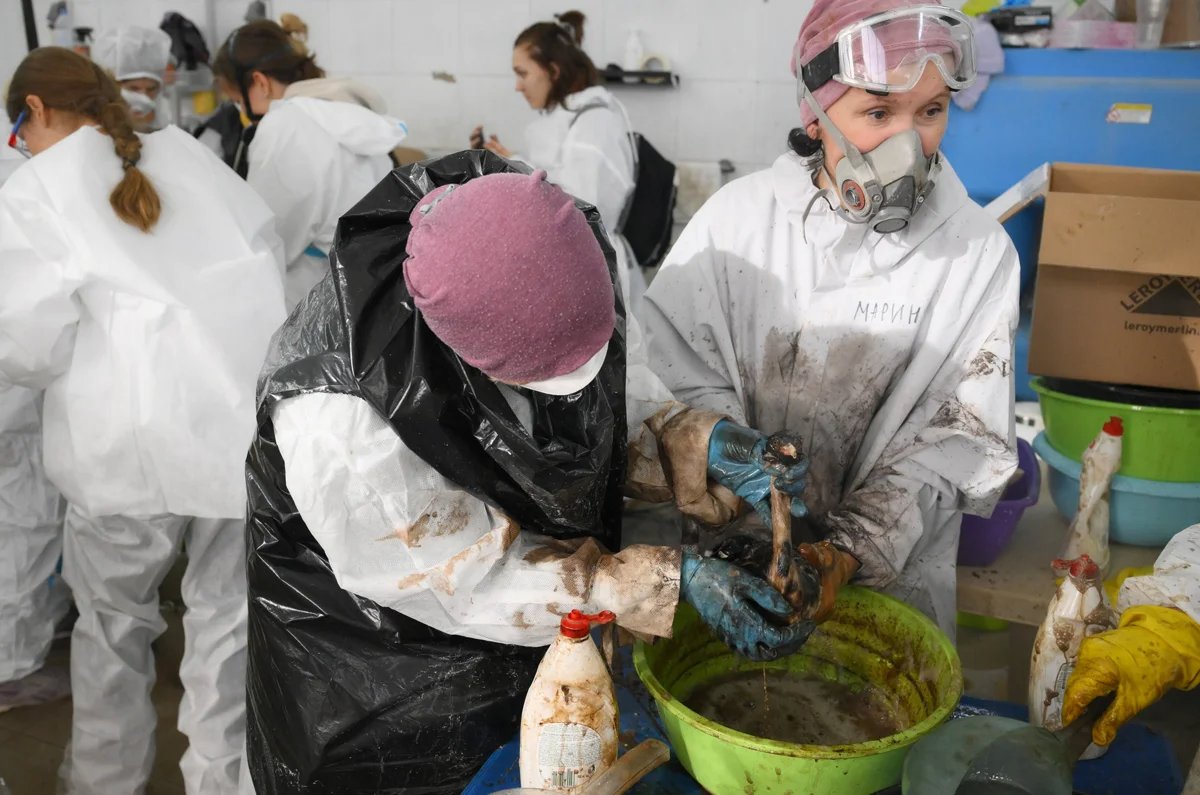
(820, 30)
(508, 273)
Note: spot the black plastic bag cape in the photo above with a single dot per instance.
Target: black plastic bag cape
(346, 696)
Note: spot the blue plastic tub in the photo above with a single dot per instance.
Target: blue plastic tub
(983, 540)
(1146, 513)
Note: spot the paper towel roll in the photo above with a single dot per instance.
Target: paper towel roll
(697, 181)
(655, 63)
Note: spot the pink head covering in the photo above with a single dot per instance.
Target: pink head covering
(820, 30)
(507, 272)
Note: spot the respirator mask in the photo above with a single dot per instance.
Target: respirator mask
(145, 111)
(882, 54)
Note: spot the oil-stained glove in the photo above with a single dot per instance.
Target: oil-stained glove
(833, 567)
(815, 572)
(739, 460)
(746, 613)
(1153, 650)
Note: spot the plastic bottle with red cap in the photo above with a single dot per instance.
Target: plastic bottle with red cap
(1089, 530)
(1078, 610)
(569, 723)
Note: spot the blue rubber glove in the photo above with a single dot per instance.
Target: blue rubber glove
(735, 460)
(738, 607)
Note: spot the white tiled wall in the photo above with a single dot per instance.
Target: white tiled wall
(736, 100)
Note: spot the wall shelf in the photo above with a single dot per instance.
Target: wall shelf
(613, 75)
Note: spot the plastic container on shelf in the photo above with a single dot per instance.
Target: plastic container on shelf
(1144, 513)
(1151, 16)
(1162, 426)
(982, 540)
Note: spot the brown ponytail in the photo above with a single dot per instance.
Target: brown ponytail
(134, 199)
(68, 82)
(558, 45)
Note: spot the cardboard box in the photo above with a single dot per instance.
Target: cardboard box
(1118, 285)
(1181, 27)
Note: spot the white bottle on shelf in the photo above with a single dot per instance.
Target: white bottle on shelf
(635, 55)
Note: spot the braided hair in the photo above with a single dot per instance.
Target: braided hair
(68, 82)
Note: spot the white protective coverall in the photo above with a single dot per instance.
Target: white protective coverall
(584, 147)
(32, 599)
(397, 532)
(312, 160)
(889, 354)
(148, 346)
(1175, 583)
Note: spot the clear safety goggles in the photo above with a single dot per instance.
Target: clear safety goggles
(16, 141)
(889, 52)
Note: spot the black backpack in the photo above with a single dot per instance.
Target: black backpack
(649, 215)
(651, 211)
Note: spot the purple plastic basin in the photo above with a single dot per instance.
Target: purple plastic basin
(983, 540)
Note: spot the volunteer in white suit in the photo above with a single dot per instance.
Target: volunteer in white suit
(581, 138)
(469, 515)
(138, 59)
(310, 159)
(32, 599)
(858, 297)
(141, 286)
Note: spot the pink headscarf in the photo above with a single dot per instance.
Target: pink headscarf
(820, 30)
(507, 272)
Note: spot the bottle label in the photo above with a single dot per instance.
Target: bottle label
(568, 754)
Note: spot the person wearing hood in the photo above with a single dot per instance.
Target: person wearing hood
(137, 58)
(141, 286)
(582, 137)
(310, 158)
(853, 293)
(438, 479)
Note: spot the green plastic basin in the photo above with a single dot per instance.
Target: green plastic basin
(1160, 444)
(870, 639)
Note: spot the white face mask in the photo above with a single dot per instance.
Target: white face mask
(143, 108)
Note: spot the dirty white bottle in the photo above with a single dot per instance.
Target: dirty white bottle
(1077, 611)
(1089, 531)
(569, 723)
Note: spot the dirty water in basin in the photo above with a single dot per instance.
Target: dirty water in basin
(796, 708)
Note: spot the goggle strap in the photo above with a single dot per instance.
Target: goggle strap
(850, 151)
(821, 69)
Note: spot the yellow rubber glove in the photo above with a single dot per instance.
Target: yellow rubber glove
(1112, 586)
(1153, 650)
